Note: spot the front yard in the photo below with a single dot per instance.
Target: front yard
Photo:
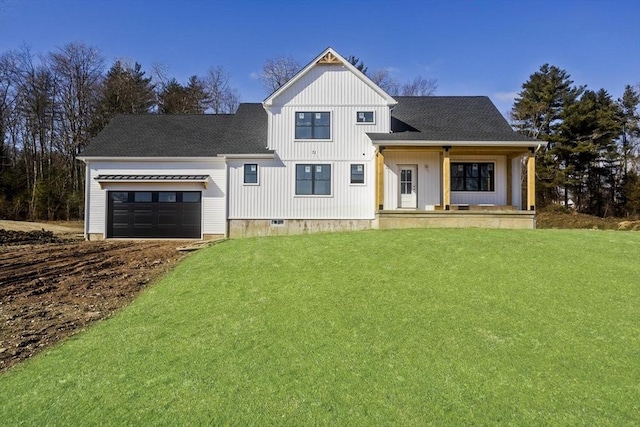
(403, 327)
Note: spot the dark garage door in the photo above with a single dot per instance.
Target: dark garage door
(148, 214)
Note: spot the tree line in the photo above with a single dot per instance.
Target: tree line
(52, 104)
(592, 160)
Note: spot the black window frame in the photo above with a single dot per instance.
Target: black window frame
(359, 176)
(249, 174)
(465, 180)
(365, 121)
(302, 177)
(312, 126)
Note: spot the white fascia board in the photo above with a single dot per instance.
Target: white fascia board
(150, 159)
(426, 143)
(269, 100)
(247, 156)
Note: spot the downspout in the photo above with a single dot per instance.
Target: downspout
(86, 200)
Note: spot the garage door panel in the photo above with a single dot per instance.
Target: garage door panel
(154, 214)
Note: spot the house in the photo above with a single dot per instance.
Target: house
(329, 150)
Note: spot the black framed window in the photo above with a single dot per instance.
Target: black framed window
(365, 117)
(357, 173)
(472, 176)
(313, 180)
(313, 125)
(251, 173)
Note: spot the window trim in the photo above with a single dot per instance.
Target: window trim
(364, 174)
(244, 174)
(479, 163)
(295, 118)
(313, 165)
(373, 119)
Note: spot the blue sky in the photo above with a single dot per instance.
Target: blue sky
(470, 47)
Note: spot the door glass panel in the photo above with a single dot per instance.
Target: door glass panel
(119, 197)
(167, 197)
(142, 196)
(191, 197)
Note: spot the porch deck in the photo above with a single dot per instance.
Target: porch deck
(478, 216)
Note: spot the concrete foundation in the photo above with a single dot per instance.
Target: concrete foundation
(455, 219)
(264, 227)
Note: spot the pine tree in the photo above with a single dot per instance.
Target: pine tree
(125, 90)
(537, 113)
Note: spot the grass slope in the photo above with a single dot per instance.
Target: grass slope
(404, 327)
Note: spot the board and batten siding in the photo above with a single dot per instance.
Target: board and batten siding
(429, 178)
(429, 184)
(325, 88)
(274, 197)
(213, 197)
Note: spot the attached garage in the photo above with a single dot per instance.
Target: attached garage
(154, 214)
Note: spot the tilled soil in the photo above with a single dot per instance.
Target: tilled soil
(48, 291)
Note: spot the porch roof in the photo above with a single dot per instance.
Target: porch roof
(449, 120)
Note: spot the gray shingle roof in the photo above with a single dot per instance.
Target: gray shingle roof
(431, 118)
(189, 135)
(448, 118)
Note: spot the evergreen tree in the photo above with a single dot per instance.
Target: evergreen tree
(357, 62)
(537, 113)
(177, 99)
(587, 150)
(125, 90)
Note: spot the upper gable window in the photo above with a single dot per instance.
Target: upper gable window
(365, 117)
(313, 125)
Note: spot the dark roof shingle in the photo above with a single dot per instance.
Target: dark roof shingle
(448, 118)
(183, 135)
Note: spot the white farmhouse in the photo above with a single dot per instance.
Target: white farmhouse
(327, 151)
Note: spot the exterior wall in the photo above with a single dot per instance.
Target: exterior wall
(213, 197)
(329, 88)
(255, 228)
(429, 178)
(274, 197)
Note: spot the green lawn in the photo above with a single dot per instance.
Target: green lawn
(403, 327)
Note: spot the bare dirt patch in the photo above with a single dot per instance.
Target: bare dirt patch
(49, 291)
(567, 219)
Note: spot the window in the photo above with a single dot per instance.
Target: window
(142, 196)
(365, 117)
(313, 180)
(191, 197)
(357, 174)
(313, 125)
(472, 177)
(251, 173)
(167, 197)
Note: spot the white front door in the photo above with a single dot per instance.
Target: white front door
(408, 186)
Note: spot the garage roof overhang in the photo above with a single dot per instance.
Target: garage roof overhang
(104, 179)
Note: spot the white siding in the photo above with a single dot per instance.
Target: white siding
(516, 182)
(274, 197)
(324, 88)
(213, 197)
(429, 178)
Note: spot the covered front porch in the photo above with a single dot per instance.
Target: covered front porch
(457, 185)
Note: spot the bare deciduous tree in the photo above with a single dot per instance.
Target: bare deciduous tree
(223, 98)
(277, 71)
(419, 86)
(385, 81)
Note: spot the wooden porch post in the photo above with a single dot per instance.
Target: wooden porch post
(446, 179)
(379, 179)
(531, 180)
(509, 180)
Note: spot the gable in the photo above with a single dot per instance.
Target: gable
(342, 87)
(329, 85)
